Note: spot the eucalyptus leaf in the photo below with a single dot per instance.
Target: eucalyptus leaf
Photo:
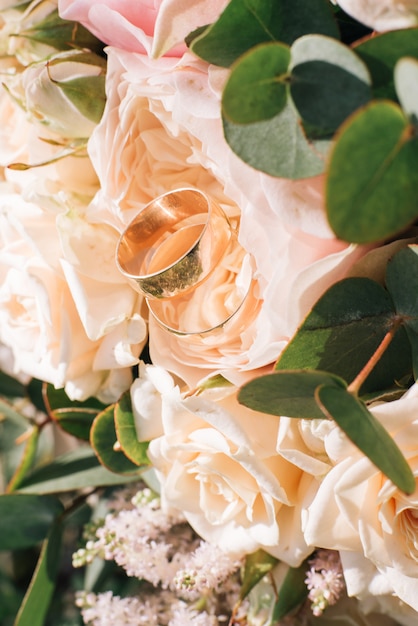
(290, 393)
(257, 87)
(292, 593)
(104, 441)
(135, 450)
(256, 566)
(328, 81)
(406, 84)
(78, 469)
(74, 417)
(381, 53)
(402, 284)
(10, 387)
(25, 520)
(246, 23)
(36, 602)
(367, 433)
(277, 146)
(354, 307)
(372, 182)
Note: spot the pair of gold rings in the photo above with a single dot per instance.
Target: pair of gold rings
(177, 252)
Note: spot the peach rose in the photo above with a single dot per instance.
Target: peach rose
(161, 130)
(40, 318)
(58, 270)
(360, 512)
(217, 463)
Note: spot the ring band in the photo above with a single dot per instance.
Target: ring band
(173, 244)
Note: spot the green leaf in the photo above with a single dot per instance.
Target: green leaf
(87, 94)
(353, 307)
(290, 393)
(328, 81)
(135, 450)
(277, 146)
(292, 592)
(367, 433)
(74, 417)
(10, 387)
(12, 426)
(406, 83)
(246, 23)
(74, 470)
(381, 53)
(257, 87)
(402, 284)
(27, 460)
(61, 34)
(104, 441)
(256, 566)
(39, 594)
(25, 520)
(372, 182)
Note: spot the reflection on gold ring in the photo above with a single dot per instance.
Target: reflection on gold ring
(226, 298)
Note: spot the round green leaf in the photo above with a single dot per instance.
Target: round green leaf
(257, 87)
(353, 307)
(402, 284)
(135, 450)
(74, 417)
(289, 393)
(25, 520)
(372, 182)
(406, 83)
(367, 433)
(277, 146)
(105, 443)
(381, 53)
(328, 81)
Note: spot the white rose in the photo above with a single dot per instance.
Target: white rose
(382, 15)
(161, 130)
(217, 463)
(358, 510)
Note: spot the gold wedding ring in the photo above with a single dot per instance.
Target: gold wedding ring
(224, 299)
(173, 244)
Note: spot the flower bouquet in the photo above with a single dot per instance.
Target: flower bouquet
(208, 312)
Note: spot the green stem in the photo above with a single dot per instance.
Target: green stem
(355, 385)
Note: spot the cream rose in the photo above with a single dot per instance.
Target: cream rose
(39, 319)
(360, 512)
(217, 463)
(161, 130)
(86, 321)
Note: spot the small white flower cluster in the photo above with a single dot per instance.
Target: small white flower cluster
(324, 580)
(206, 568)
(190, 580)
(161, 609)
